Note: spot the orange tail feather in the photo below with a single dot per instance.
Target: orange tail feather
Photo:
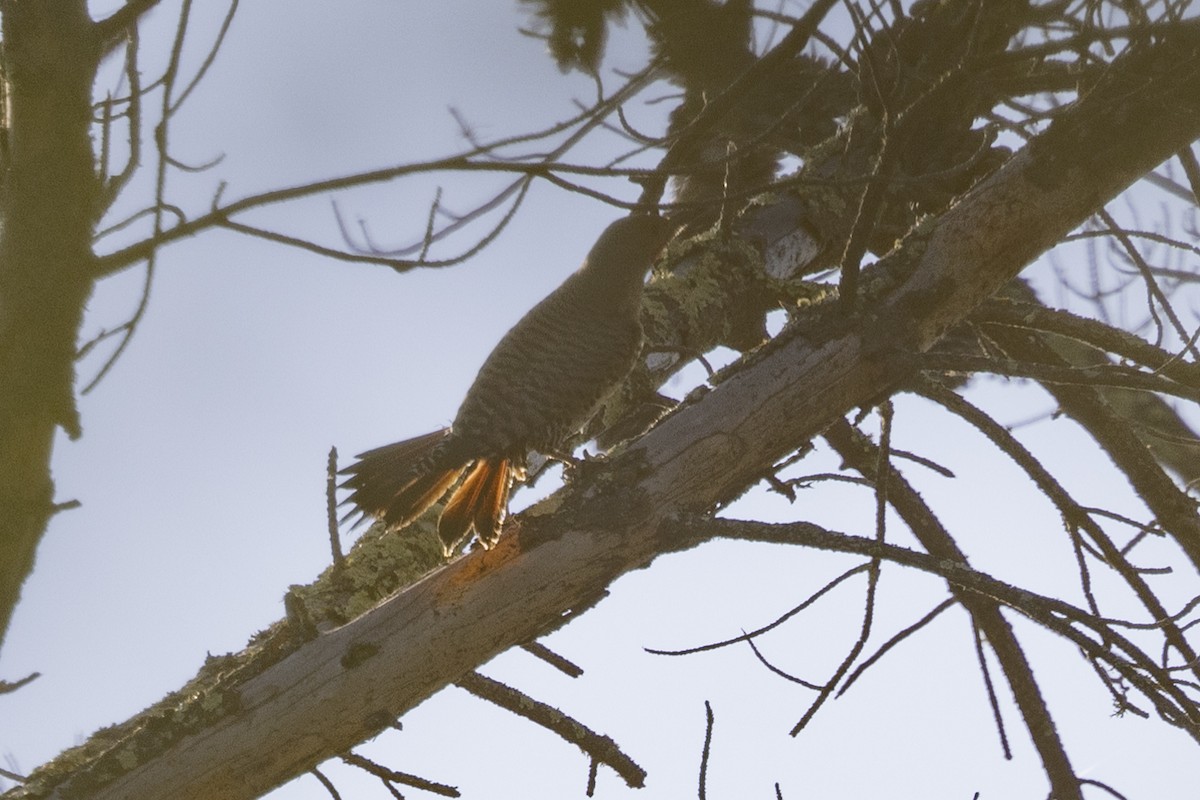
(493, 504)
(480, 503)
(414, 499)
(398, 482)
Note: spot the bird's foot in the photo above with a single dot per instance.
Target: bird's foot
(573, 466)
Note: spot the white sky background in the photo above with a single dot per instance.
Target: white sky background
(201, 470)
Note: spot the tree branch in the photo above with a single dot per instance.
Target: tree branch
(1105, 645)
(599, 748)
(860, 454)
(110, 29)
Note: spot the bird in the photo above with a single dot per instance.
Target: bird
(541, 384)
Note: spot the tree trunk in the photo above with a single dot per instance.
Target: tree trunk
(47, 203)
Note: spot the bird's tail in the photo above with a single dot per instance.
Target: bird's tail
(480, 503)
(398, 482)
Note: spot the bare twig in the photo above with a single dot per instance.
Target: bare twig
(335, 541)
(1155, 297)
(544, 166)
(12, 686)
(596, 746)
(981, 657)
(882, 477)
(160, 137)
(745, 637)
(787, 676)
(209, 58)
(706, 750)
(110, 29)
(1099, 335)
(1108, 375)
(858, 452)
(896, 639)
(1174, 511)
(1072, 513)
(1109, 646)
(115, 183)
(552, 658)
(328, 784)
(1192, 170)
(390, 776)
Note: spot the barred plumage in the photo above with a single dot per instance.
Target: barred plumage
(542, 383)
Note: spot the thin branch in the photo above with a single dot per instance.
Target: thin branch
(390, 776)
(1192, 170)
(882, 477)
(593, 773)
(1062, 618)
(1107, 375)
(745, 637)
(328, 784)
(115, 183)
(110, 29)
(160, 183)
(563, 665)
(859, 453)
(1072, 513)
(397, 264)
(331, 480)
(1154, 292)
(12, 686)
(12, 776)
(1172, 508)
(896, 639)
(1152, 236)
(944, 471)
(1099, 335)
(597, 747)
(219, 215)
(209, 58)
(993, 701)
(870, 203)
(522, 188)
(787, 676)
(1104, 786)
(706, 750)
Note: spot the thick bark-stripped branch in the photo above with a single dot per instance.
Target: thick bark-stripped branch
(348, 684)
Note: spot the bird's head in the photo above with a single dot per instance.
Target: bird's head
(626, 250)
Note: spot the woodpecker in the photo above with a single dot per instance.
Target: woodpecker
(541, 384)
